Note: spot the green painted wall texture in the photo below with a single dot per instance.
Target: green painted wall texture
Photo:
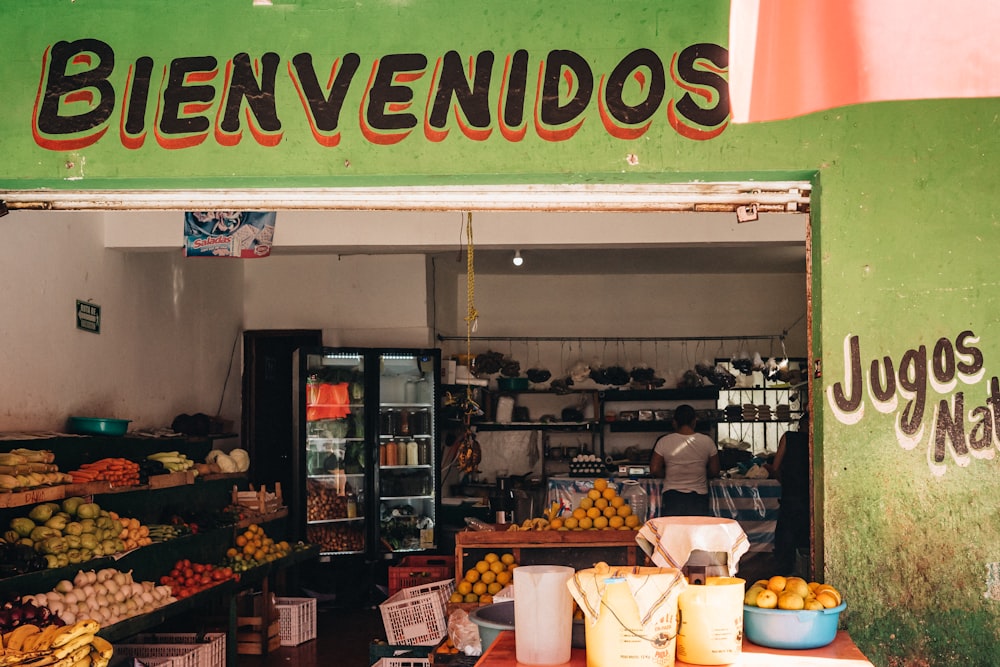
(905, 228)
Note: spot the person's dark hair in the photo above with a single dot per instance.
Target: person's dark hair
(685, 415)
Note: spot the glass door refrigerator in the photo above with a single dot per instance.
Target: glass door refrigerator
(366, 450)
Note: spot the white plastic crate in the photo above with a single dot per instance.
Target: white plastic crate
(209, 648)
(403, 662)
(178, 655)
(298, 620)
(416, 615)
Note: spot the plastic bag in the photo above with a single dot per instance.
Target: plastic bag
(464, 634)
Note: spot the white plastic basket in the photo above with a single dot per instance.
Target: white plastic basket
(209, 649)
(416, 615)
(403, 662)
(178, 655)
(298, 620)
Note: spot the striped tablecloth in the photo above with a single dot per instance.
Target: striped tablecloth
(752, 502)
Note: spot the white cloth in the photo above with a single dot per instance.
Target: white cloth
(686, 457)
(669, 540)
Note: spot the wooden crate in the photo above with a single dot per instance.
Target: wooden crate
(179, 478)
(41, 494)
(260, 501)
(258, 625)
(577, 548)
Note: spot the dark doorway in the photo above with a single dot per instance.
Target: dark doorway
(267, 402)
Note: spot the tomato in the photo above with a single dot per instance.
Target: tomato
(205, 579)
(218, 575)
(188, 572)
(190, 581)
(165, 580)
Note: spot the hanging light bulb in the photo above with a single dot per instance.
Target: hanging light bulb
(518, 260)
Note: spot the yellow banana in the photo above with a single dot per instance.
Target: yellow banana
(8, 482)
(103, 647)
(75, 649)
(14, 641)
(87, 626)
(12, 459)
(46, 636)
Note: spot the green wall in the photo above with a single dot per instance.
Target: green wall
(904, 232)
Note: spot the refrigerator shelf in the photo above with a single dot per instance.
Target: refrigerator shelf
(430, 497)
(386, 436)
(321, 440)
(416, 467)
(318, 522)
(406, 405)
(328, 475)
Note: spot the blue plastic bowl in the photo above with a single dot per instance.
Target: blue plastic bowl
(494, 618)
(786, 628)
(97, 426)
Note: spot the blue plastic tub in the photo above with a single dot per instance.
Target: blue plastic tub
(97, 426)
(785, 628)
(492, 619)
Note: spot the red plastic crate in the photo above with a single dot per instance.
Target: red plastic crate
(420, 570)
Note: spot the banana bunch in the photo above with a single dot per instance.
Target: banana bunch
(32, 479)
(553, 510)
(75, 645)
(469, 453)
(22, 456)
(538, 523)
(173, 461)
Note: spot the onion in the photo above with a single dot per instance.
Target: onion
(91, 577)
(64, 586)
(68, 617)
(80, 579)
(106, 573)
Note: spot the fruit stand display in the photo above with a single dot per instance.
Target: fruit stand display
(128, 543)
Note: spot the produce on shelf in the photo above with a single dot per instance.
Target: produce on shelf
(74, 645)
(161, 532)
(323, 501)
(172, 461)
(601, 509)
(337, 537)
(253, 548)
(187, 578)
(29, 468)
(107, 595)
(792, 593)
(134, 534)
(16, 613)
(237, 460)
(74, 531)
(116, 470)
(18, 559)
(485, 579)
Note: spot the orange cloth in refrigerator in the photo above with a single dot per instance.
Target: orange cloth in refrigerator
(327, 401)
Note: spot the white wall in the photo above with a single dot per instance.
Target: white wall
(357, 300)
(663, 305)
(168, 326)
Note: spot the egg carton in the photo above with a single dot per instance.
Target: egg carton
(586, 465)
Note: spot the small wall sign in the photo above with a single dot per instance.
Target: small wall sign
(88, 316)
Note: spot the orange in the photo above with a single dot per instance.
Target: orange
(600, 484)
(464, 588)
(556, 523)
(488, 577)
(777, 583)
(456, 597)
(616, 521)
(494, 588)
(491, 557)
(625, 510)
(601, 503)
(472, 575)
(594, 494)
(594, 512)
(240, 540)
(601, 522)
(586, 503)
(632, 521)
(610, 512)
(507, 559)
(479, 588)
(482, 566)
(471, 598)
(609, 493)
(586, 523)
(503, 578)
(617, 502)
(485, 599)
(580, 513)
(572, 522)
(496, 567)
(231, 553)
(767, 599)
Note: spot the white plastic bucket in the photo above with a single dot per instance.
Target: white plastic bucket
(711, 628)
(631, 615)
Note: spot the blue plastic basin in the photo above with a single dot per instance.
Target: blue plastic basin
(786, 628)
(97, 426)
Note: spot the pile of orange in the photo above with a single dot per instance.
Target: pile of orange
(791, 593)
(254, 547)
(485, 579)
(601, 509)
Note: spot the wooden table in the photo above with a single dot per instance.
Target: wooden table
(578, 549)
(841, 653)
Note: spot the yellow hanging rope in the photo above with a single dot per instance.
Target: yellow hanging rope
(471, 316)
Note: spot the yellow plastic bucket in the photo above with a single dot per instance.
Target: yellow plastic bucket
(631, 614)
(711, 629)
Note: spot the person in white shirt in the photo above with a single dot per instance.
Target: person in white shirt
(685, 459)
